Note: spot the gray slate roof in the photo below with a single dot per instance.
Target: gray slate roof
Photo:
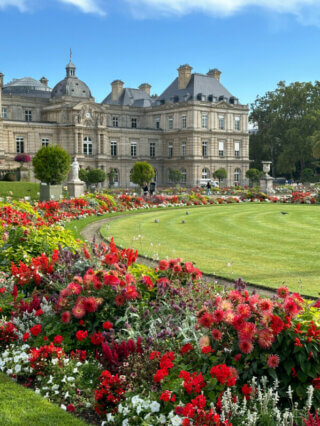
(71, 86)
(26, 86)
(131, 97)
(200, 87)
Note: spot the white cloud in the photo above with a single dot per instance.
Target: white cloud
(20, 4)
(86, 6)
(223, 7)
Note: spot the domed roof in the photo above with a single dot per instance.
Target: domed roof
(71, 85)
(27, 86)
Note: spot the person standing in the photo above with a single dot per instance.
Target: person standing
(208, 188)
(152, 188)
(145, 189)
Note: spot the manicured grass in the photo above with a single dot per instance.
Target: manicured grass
(252, 241)
(21, 406)
(19, 190)
(76, 226)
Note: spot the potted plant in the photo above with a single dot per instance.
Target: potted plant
(51, 166)
(23, 172)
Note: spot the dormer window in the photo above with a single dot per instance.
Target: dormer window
(134, 123)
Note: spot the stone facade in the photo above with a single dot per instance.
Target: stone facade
(196, 133)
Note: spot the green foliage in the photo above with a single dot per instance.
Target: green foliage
(253, 175)
(307, 175)
(95, 176)
(142, 172)
(9, 177)
(23, 244)
(51, 165)
(220, 174)
(175, 176)
(287, 118)
(19, 190)
(83, 175)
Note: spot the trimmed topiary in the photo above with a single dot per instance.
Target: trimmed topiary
(51, 165)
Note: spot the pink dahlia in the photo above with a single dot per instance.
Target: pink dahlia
(273, 361)
(246, 346)
(265, 338)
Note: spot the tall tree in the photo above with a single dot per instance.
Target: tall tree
(286, 119)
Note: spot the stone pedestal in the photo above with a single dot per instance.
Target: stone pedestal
(266, 184)
(50, 192)
(266, 181)
(75, 188)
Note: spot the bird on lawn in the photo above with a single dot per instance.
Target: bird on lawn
(284, 213)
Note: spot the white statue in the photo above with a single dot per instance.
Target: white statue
(75, 170)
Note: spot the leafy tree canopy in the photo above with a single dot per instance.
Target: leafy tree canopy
(287, 119)
(142, 172)
(51, 165)
(95, 176)
(220, 174)
(254, 174)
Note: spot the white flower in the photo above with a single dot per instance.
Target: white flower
(63, 407)
(71, 379)
(55, 387)
(125, 422)
(154, 407)
(176, 421)
(110, 418)
(18, 368)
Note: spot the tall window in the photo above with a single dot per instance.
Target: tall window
(134, 123)
(204, 149)
(184, 121)
(221, 122)
(204, 121)
(152, 149)
(157, 121)
(237, 149)
(28, 115)
(221, 149)
(184, 176)
(237, 123)
(115, 121)
(87, 146)
(170, 123)
(183, 149)
(4, 112)
(205, 174)
(45, 142)
(133, 149)
(237, 176)
(116, 177)
(113, 146)
(20, 145)
(170, 150)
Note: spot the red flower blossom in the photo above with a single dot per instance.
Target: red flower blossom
(224, 374)
(78, 310)
(154, 355)
(186, 348)
(206, 320)
(58, 339)
(283, 292)
(246, 390)
(276, 324)
(246, 346)
(65, 317)
(26, 337)
(316, 383)
(273, 361)
(216, 334)
(90, 304)
(206, 349)
(81, 335)
(265, 338)
(36, 330)
(107, 325)
(163, 265)
(70, 408)
(160, 375)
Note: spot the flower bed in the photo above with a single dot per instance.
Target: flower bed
(120, 343)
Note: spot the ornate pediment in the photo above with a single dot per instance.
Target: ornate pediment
(90, 115)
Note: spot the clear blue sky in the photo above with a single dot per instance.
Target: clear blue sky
(255, 43)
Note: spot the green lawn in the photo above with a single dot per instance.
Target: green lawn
(21, 406)
(252, 241)
(19, 190)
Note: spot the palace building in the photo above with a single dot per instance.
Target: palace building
(196, 126)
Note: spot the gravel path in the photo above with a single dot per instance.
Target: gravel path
(93, 230)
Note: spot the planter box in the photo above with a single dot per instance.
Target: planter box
(50, 192)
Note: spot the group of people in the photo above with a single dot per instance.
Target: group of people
(146, 189)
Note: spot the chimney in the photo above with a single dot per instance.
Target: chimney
(1, 79)
(184, 76)
(44, 81)
(117, 88)
(145, 87)
(214, 73)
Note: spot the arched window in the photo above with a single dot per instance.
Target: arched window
(237, 176)
(87, 146)
(205, 174)
(184, 176)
